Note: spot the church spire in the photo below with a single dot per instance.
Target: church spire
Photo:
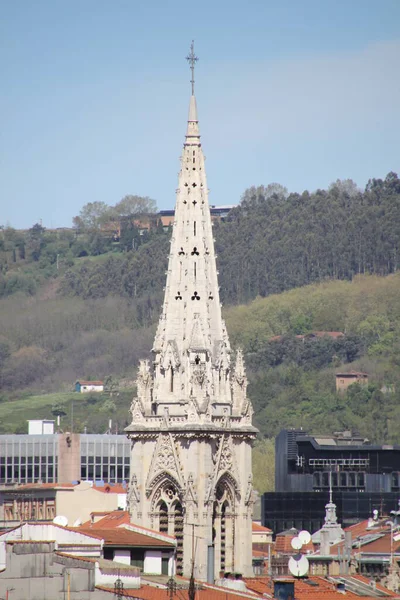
(191, 343)
(191, 425)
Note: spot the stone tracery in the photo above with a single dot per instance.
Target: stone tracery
(191, 421)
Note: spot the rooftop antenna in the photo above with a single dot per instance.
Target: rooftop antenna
(192, 59)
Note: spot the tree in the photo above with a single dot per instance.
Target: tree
(92, 215)
(35, 241)
(58, 410)
(264, 465)
(131, 205)
(346, 186)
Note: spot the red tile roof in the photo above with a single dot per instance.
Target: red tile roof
(110, 520)
(378, 586)
(147, 592)
(380, 546)
(121, 536)
(260, 528)
(108, 488)
(283, 543)
(362, 528)
(352, 374)
(316, 588)
(44, 486)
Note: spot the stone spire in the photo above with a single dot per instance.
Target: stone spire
(191, 348)
(191, 425)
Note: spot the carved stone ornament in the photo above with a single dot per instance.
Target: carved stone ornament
(225, 461)
(249, 492)
(171, 356)
(133, 495)
(144, 382)
(190, 492)
(137, 412)
(165, 460)
(210, 490)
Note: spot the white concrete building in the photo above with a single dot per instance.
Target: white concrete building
(191, 430)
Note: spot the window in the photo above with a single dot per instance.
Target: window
(137, 558)
(108, 553)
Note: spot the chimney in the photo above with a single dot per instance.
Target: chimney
(284, 589)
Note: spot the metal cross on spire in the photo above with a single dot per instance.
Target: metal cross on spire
(192, 59)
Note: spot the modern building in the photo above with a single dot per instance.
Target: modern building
(64, 457)
(364, 477)
(191, 427)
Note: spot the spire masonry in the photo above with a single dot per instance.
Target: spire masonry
(191, 425)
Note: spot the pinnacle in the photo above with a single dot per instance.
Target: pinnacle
(193, 122)
(192, 109)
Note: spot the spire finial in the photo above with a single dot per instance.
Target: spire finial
(192, 59)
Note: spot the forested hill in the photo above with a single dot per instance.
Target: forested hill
(292, 379)
(270, 243)
(274, 241)
(80, 305)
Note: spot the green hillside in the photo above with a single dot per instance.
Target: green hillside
(77, 411)
(83, 303)
(292, 380)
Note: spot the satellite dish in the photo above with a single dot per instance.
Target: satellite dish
(304, 537)
(77, 523)
(298, 565)
(296, 543)
(60, 520)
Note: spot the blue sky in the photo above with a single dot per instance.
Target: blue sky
(95, 98)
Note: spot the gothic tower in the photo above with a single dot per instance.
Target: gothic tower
(191, 428)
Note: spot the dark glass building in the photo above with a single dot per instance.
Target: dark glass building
(364, 477)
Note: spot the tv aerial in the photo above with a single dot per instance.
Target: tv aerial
(60, 520)
(296, 543)
(305, 537)
(298, 564)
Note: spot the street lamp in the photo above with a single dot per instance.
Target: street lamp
(118, 588)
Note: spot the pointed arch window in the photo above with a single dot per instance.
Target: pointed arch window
(168, 513)
(223, 526)
(163, 517)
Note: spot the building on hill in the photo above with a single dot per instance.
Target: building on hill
(312, 335)
(84, 387)
(344, 380)
(191, 429)
(364, 477)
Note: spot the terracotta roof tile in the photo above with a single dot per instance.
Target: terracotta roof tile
(316, 588)
(378, 586)
(147, 592)
(108, 488)
(260, 528)
(125, 537)
(110, 520)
